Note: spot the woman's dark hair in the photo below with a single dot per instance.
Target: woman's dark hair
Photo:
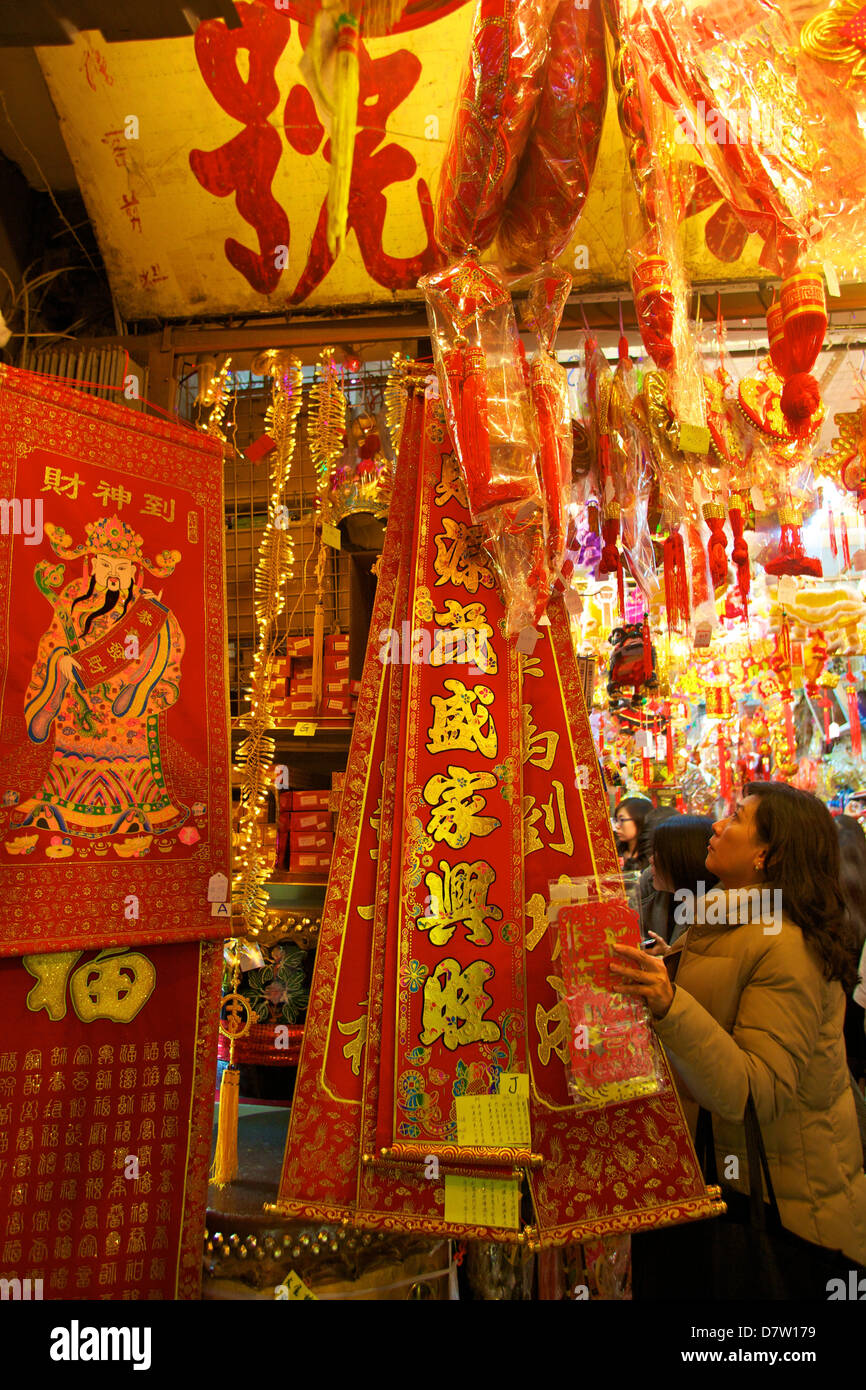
(652, 820)
(680, 852)
(852, 874)
(802, 861)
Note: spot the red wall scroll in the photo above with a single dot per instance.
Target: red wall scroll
(114, 746)
(106, 1111)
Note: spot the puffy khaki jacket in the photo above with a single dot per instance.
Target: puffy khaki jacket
(752, 1007)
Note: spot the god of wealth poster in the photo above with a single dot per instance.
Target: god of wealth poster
(114, 741)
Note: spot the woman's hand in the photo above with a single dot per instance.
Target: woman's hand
(646, 978)
(661, 947)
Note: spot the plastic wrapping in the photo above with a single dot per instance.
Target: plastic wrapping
(544, 207)
(549, 391)
(613, 1053)
(484, 384)
(776, 131)
(495, 108)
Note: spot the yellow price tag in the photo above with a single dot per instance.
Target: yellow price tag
(514, 1083)
(294, 1290)
(331, 536)
(491, 1202)
(694, 439)
(303, 730)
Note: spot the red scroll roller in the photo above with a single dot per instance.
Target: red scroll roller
(556, 170)
(495, 108)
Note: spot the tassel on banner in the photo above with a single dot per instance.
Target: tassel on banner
(854, 715)
(225, 1162)
(831, 527)
(724, 771)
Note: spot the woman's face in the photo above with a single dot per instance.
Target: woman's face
(660, 883)
(625, 828)
(735, 854)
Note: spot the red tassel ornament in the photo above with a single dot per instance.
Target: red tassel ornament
(791, 557)
(846, 553)
(854, 715)
(676, 582)
(740, 552)
(804, 310)
(714, 515)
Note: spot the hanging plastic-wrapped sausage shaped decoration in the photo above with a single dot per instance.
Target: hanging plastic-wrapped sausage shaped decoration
(549, 392)
(714, 516)
(544, 207)
(483, 385)
(493, 116)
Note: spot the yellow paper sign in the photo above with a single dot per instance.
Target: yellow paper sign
(294, 1290)
(493, 1121)
(331, 536)
(492, 1202)
(514, 1083)
(303, 730)
(694, 439)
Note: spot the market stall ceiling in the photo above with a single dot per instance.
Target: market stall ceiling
(166, 139)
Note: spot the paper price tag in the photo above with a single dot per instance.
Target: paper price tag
(294, 1290)
(832, 280)
(492, 1202)
(694, 439)
(331, 536)
(514, 1083)
(305, 730)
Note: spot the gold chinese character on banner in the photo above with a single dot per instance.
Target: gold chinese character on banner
(116, 984)
(538, 748)
(463, 637)
(553, 815)
(455, 803)
(455, 1003)
(459, 557)
(459, 725)
(450, 484)
(458, 894)
(552, 1025)
(353, 1050)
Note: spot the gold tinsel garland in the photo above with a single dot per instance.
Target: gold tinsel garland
(396, 395)
(256, 753)
(326, 431)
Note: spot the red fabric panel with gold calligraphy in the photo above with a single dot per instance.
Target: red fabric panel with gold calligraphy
(114, 743)
(490, 791)
(106, 1112)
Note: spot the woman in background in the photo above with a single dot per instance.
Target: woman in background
(678, 864)
(628, 824)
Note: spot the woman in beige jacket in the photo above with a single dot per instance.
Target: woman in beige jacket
(759, 1002)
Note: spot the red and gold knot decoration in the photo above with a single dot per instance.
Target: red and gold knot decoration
(838, 36)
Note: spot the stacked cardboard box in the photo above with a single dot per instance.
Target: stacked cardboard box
(306, 829)
(337, 700)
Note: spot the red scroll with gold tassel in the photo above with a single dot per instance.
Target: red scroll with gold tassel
(472, 785)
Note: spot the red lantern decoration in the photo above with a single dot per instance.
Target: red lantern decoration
(854, 715)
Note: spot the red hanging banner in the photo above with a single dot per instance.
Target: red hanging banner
(114, 746)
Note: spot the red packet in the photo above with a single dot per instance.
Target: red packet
(611, 1041)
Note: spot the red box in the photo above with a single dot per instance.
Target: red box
(303, 863)
(316, 821)
(311, 841)
(335, 666)
(310, 800)
(354, 687)
(337, 687)
(337, 704)
(300, 646)
(337, 643)
(295, 706)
